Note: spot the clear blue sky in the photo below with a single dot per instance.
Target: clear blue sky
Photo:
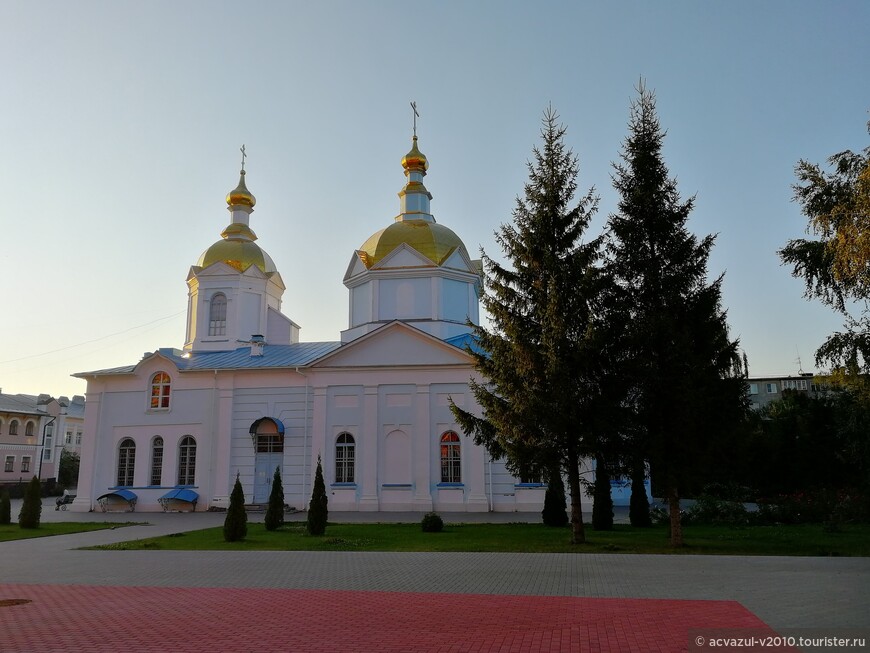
(122, 122)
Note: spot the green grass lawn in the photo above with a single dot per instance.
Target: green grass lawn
(13, 531)
(808, 539)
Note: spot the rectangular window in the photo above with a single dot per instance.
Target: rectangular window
(78, 437)
(46, 452)
(25, 463)
(753, 388)
(771, 388)
(67, 439)
(10, 464)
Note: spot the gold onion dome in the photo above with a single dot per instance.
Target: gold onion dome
(240, 195)
(238, 254)
(436, 242)
(415, 160)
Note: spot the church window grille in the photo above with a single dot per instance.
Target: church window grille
(187, 461)
(126, 462)
(270, 443)
(157, 461)
(160, 389)
(28, 430)
(344, 458)
(13, 427)
(451, 468)
(217, 319)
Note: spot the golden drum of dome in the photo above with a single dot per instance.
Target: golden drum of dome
(239, 254)
(434, 241)
(240, 195)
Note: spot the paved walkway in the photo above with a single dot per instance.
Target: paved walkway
(357, 601)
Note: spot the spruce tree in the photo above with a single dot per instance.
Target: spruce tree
(554, 512)
(236, 521)
(318, 509)
(538, 357)
(602, 501)
(31, 509)
(684, 385)
(275, 511)
(5, 508)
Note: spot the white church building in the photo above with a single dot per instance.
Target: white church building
(244, 396)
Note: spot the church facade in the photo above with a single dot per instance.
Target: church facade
(245, 397)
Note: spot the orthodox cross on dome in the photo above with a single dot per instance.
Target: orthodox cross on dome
(416, 115)
(244, 156)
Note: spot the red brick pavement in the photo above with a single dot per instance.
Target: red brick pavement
(155, 619)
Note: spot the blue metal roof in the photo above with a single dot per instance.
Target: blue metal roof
(298, 354)
(465, 342)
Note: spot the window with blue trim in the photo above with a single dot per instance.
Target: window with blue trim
(451, 458)
(187, 461)
(126, 462)
(345, 447)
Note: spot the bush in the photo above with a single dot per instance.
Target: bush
(68, 473)
(710, 510)
(5, 508)
(318, 509)
(815, 507)
(432, 523)
(236, 521)
(31, 509)
(275, 511)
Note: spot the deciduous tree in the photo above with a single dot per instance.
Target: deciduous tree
(836, 264)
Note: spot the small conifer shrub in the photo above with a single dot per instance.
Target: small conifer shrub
(31, 509)
(432, 523)
(236, 522)
(318, 509)
(275, 512)
(5, 508)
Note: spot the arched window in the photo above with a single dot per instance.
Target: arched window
(217, 315)
(160, 387)
(126, 462)
(451, 469)
(187, 461)
(344, 457)
(13, 427)
(28, 430)
(157, 461)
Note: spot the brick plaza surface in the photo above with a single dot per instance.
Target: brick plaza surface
(155, 619)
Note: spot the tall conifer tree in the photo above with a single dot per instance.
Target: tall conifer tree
(538, 355)
(685, 369)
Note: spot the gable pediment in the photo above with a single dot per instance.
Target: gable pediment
(395, 345)
(356, 266)
(404, 256)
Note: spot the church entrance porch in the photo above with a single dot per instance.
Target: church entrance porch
(268, 437)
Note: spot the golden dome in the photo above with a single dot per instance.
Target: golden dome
(240, 195)
(415, 160)
(434, 241)
(240, 254)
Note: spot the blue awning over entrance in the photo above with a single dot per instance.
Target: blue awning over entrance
(278, 424)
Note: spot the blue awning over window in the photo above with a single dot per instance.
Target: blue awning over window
(127, 495)
(181, 494)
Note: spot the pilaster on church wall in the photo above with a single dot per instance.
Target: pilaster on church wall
(91, 435)
(368, 500)
(220, 432)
